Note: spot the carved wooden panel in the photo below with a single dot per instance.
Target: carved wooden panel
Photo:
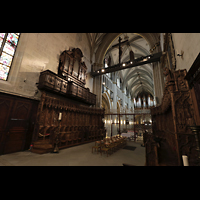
(171, 120)
(5, 107)
(70, 64)
(71, 87)
(78, 122)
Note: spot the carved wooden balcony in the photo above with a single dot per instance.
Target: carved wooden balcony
(69, 87)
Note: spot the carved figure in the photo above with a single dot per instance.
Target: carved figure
(120, 52)
(132, 56)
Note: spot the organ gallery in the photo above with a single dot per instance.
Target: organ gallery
(65, 107)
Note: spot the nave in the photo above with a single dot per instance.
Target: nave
(77, 156)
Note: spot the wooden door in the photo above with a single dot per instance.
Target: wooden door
(15, 135)
(17, 117)
(17, 127)
(5, 109)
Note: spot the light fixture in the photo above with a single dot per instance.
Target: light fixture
(97, 71)
(180, 54)
(131, 62)
(124, 65)
(103, 70)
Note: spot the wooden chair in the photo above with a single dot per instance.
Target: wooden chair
(105, 148)
(97, 146)
(70, 137)
(124, 141)
(113, 145)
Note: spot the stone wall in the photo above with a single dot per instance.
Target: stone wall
(189, 43)
(37, 52)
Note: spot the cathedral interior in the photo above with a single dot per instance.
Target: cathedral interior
(63, 90)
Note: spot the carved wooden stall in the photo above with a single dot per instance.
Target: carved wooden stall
(66, 93)
(193, 78)
(171, 121)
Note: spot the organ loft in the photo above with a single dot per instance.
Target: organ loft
(64, 116)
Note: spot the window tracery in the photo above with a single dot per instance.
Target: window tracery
(8, 45)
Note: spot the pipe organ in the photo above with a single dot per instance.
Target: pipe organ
(65, 116)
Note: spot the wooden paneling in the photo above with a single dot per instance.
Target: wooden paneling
(16, 122)
(5, 107)
(80, 123)
(73, 89)
(171, 123)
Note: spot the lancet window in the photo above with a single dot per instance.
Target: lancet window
(8, 45)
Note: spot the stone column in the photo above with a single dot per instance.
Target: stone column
(158, 82)
(114, 95)
(97, 85)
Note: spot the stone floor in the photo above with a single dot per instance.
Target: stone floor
(77, 156)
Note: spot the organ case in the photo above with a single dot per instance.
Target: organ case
(65, 93)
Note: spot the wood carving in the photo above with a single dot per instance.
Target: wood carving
(66, 93)
(70, 63)
(171, 121)
(78, 121)
(71, 87)
(169, 76)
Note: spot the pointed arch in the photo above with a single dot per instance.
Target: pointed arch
(106, 102)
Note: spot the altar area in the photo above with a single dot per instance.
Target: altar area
(131, 125)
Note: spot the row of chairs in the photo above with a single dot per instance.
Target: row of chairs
(109, 145)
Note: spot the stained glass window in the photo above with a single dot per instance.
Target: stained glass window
(8, 45)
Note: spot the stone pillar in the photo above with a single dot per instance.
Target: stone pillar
(97, 85)
(114, 90)
(123, 99)
(158, 82)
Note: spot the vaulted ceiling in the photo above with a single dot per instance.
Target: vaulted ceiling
(94, 40)
(137, 79)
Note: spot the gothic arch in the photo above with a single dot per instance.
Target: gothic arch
(118, 106)
(106, 102)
